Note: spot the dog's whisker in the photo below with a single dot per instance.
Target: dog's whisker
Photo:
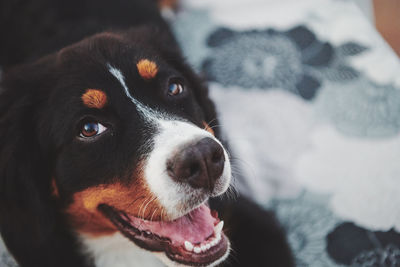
(145, 207)
(133, 201)
(161, 216)
(211, 121)
(154, 199)
(141, 206)
(216, 125)
(232, 192)
(236, 162)
(152, 215)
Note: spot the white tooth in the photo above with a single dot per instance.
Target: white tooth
(218, 227)
(218, 238)
(203, 248)
(213, 242)
(188, 246)
(197, 249)
(208, 246)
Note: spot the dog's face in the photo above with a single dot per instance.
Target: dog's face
(125, 125)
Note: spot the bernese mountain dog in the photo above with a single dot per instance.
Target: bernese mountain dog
(110, 154)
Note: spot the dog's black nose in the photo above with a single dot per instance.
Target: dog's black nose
(200, 164)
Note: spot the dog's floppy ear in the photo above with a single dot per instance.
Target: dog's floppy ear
(29, 223)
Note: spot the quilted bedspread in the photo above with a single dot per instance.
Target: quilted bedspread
(309, 98)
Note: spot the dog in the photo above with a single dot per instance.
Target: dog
(110, 154)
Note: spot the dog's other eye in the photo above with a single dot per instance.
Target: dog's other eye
(175, 88)
(91, 129)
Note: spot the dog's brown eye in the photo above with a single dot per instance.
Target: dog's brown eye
(175, 88)
(91, 129)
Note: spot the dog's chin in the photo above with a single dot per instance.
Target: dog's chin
(194, 239)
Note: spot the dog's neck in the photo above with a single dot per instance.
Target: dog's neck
(117, 251)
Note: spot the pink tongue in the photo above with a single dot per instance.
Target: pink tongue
(194, 227)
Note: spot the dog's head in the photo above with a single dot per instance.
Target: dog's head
(116, 133)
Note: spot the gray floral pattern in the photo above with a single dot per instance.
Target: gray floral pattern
(321, 69)
(374, 112)
(388, 256)
(262, 60)
(294, 60)
(307, 240)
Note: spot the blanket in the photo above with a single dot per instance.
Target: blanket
(309, 98)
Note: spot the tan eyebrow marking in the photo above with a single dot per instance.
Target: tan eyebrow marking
(147, 69)
(94, 98)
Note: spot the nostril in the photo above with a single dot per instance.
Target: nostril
(217, 156)
(194, 169)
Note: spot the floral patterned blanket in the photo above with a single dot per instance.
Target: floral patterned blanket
(309, 98)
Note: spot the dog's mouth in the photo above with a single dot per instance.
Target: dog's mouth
(194, 239)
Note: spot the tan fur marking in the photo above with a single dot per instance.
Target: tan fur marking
(147, 69)
(54, 188)
(168, 4)
(208, 128)
(134, 199)
(94, 98)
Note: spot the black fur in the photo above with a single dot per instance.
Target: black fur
(256, 237)
(40, 114)
(31, 29)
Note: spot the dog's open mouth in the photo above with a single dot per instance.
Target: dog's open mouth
(193, 239)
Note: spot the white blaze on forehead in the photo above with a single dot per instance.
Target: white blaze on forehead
(147, 112)
(172, 135)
